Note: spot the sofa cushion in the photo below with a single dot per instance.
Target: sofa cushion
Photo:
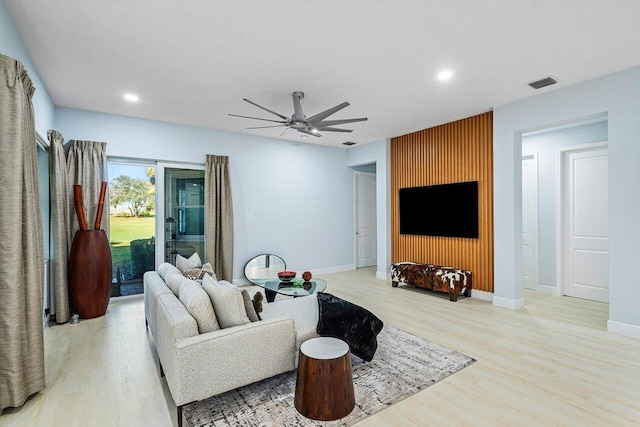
(303, 311)
(248, 306)
(198, 305)
(349, 322)
(165, 268)
(187, 263)
(173, 281)
(227, 302)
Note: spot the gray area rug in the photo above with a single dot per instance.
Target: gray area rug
(403, 365)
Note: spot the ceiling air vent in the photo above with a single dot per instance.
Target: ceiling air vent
(349, 143)
(547, 81)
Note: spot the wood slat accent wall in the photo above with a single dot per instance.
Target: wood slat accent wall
(453, 152)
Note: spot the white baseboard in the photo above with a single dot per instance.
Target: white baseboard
(483, 295)
(549, 290)
(513, 304)
(383, 275)
(336, 269)
(625, 329)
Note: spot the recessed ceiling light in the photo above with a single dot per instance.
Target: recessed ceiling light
(131, 97)
(445, 75)
(314, 130)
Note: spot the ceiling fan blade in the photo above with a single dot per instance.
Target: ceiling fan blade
(309, 132)
(339, 122)
(265, 127)
(258, 118)
(266, 109)
(334, 130)
(326, 113)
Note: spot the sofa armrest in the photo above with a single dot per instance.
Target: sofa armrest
(212, 363)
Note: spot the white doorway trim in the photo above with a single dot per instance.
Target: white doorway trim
(532, 216)
(560, 210)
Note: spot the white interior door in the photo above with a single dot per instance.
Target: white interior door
(585, 224)
(530, 221)
(365, 219)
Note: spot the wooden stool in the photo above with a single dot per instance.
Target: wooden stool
(324, 387)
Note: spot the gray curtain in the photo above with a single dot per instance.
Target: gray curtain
(218, 216)
(61, 245)
(87, 166)
(22, 266)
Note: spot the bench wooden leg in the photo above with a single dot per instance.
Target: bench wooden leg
(394, 284)
(453, 297)
(467, 292)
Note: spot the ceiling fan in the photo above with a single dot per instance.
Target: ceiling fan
(310, 126)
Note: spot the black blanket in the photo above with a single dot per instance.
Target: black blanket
(349, 322)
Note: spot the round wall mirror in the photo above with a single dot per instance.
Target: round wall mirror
(264, 267)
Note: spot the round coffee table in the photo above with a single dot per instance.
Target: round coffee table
(275, 286)
(324, 386)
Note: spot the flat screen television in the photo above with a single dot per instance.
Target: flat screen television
(449, 210)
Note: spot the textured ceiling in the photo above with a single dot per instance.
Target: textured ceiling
(192, 62)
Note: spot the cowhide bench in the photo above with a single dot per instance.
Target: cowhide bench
(434, 277)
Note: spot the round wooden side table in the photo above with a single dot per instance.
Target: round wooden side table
(324, 386)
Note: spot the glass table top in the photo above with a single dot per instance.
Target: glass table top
(295, 288)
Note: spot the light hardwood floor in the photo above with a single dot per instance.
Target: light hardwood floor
(551, 363)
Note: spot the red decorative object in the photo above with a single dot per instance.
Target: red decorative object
(286, 276)
(306, 276)
(89, 262)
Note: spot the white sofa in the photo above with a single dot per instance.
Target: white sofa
(200, 365)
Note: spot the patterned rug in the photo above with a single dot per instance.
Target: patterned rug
(403, 365)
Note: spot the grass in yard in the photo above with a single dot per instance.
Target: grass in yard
(124, 230)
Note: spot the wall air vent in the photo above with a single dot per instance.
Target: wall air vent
(547, 81)
(349, 143)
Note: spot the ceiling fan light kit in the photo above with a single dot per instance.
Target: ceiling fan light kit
(298, 121)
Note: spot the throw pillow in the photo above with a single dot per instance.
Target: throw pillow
(248, 306)
(198, 273)
(173, 281)
(165, 268)
(199, 306)
(187, 263)
(207, 268)
(349, 322)
(227, 302)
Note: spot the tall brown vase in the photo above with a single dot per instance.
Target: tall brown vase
(89, 263)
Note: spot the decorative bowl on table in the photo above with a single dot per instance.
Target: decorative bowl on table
(286, 276)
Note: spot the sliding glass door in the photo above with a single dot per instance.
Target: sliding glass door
(183, 213)
(132, 224)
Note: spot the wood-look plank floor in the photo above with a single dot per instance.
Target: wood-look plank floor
(551, 363)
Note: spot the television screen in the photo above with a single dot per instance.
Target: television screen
(449, 210)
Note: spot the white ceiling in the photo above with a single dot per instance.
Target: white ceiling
(192, 62)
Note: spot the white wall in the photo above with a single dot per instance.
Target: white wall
(378, 152)
(546, 145)
(11, 44)
(618, 96)
(291, 199)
